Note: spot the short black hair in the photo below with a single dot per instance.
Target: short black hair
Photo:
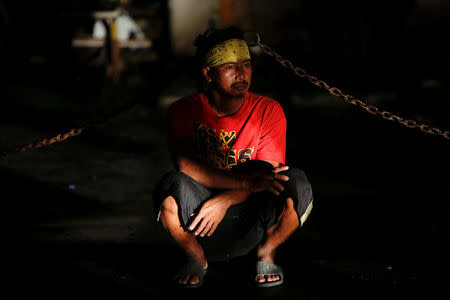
(211, 38)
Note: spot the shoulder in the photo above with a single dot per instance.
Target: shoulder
(185, 104)
(265, 104)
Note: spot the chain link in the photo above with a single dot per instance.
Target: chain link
(73, 132)
(46, 142)
(299, 72)
(350, 99)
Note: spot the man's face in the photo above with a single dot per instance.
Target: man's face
(232, 79)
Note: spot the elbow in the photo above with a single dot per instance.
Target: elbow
(181, 164)
(191, 168)
(181, 167)
(176, 161)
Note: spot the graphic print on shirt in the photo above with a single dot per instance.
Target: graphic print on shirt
(217, 147)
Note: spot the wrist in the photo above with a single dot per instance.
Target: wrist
(228, 202)
(222, 200)
(244, 183)
(233, 197)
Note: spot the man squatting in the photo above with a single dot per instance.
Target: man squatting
(228, 146)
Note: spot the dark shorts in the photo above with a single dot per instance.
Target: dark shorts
(244, 224)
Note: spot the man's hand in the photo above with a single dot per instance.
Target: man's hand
(268, 181)
(209, 216)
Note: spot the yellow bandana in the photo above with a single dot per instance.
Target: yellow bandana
(228, 51)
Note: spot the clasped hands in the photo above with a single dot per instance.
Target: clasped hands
(213, 210)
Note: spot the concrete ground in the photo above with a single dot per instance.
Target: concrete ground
(78, 215)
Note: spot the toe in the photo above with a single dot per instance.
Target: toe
(274, 278)
(184, 280)
(267, 278)
(194, 280)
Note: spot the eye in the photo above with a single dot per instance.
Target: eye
(230, 67)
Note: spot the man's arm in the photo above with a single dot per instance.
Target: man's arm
(213, 211)
(206, 175)
(187, 162)
(237, 187)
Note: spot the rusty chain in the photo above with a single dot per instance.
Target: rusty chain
(46, 142)
(299, 72)
(350, 99)
(71, 133)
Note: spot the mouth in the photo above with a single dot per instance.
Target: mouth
(240, 85)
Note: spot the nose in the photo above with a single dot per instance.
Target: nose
(239, 72)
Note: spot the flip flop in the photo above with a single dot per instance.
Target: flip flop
(191, 268)
(266, 268)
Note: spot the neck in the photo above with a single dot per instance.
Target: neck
(224, 105)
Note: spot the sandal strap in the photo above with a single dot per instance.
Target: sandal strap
(192, 268)
(267, 268)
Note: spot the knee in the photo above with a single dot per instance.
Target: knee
(171, 184)
(168, 207)
(291, 212)
(172, 178)
(297, 179)
(295, 174)
(289, 204)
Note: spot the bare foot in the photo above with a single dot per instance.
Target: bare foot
(192, 280)
(268, 255)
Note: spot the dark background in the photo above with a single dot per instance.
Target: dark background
(79, 213)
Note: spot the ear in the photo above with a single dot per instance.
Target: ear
(207, 74)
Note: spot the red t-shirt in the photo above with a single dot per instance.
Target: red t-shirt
(256, 131)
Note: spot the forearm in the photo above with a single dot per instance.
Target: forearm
(213, 211)
(209, 176)
(233, 197)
